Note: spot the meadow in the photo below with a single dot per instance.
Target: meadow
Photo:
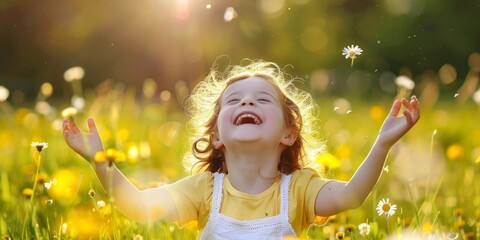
(431, 178)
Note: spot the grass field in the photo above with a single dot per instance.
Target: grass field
(432, 175)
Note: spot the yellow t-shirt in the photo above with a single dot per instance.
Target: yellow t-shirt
(192, 197)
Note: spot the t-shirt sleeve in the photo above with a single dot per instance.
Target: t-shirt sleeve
(305, 185)
(191, 196)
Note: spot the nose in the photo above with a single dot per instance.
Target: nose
(247, 101)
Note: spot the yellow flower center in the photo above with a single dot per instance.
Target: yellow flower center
(351, 54)
(386, 207)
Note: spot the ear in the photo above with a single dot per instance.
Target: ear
(217, 144)
(289, 138)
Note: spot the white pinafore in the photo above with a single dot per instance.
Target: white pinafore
(221, 227)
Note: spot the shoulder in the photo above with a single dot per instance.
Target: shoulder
(305, 174)
(192, 196)
(201, 179)
(306, 182)
(304, 187)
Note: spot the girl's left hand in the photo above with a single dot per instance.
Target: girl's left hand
(394, 126)
(84, 143)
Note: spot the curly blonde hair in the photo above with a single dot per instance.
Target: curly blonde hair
(299, 108)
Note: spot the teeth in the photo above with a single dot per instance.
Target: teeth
(247, 115)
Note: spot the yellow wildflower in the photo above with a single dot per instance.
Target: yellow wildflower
(27, 192)
(111, 156)
(328, 161)
(458, 212)
(349, 227)
(455, 152)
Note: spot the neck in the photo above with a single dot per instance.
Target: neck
(252, 170)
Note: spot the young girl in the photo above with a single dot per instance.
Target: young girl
(253, 137)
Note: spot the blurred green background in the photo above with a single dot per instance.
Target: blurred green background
(142, 58)
(170, 41)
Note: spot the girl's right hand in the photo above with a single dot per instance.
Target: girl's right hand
(85, 144)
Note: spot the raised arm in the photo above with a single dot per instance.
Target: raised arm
(140, 205)
(337, 196)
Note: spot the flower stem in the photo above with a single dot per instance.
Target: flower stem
(388, 225)
(430, 159)
(417, 217)
(110, 194)
(110, 182)
(39, 159)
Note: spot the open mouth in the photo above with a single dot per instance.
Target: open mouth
(247, 118)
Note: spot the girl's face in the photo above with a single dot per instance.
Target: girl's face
(251, 111)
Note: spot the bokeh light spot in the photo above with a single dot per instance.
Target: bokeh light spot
(314, 39)
(30, 121)
(474, 62)
(65, 190)
(447, 73)
(149, 88)
(272, 7)
(165, 95)
(319, 81)
(74, 73)
(46, 89)
(341, 105)
(455, 152)
(3, 93)
(377, 113)
(229, 14)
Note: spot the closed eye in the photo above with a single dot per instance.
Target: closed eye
(233, 101)
(264, 100)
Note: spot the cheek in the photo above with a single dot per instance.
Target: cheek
(278, 115)
(223, 118)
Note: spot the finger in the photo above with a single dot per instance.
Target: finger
(65, 132)
(72, 126)
(415, 104)
(408, 117)
(65, 125)
(415, 113)
(91, 126)
(407, 104)
(395, 108)
(414, 108)
(67, 128)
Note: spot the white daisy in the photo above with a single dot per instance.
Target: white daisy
(49, 184)
(40, 145)
(452, 236)
(364, 229)
(351, 52)
(101, 204)
(385, 207)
